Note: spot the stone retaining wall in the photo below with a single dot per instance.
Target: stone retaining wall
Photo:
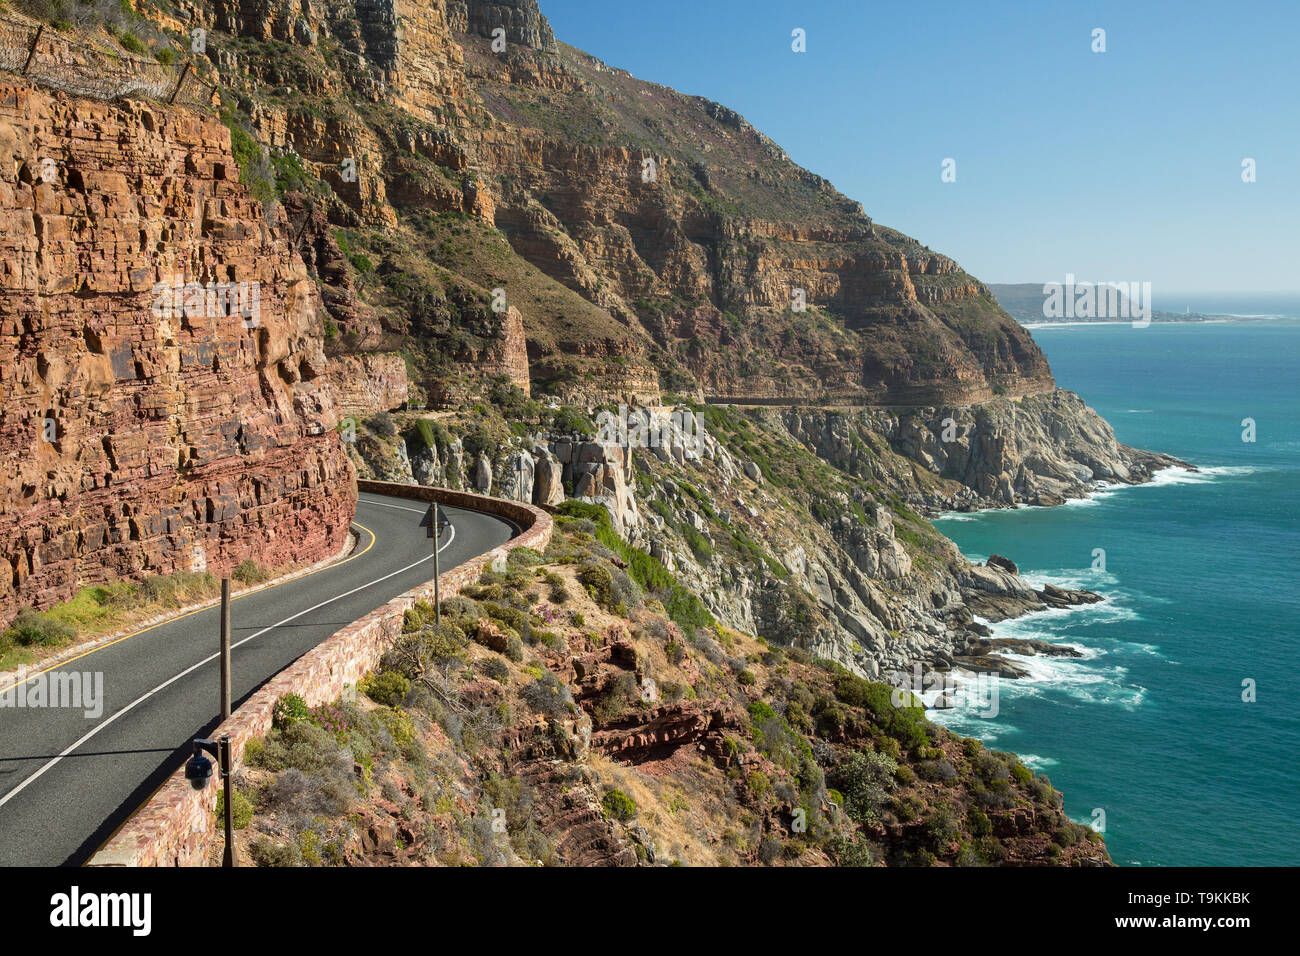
(174, 826)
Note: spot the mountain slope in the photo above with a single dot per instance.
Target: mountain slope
(653, 240)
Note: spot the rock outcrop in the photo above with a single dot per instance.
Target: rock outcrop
(163, 401)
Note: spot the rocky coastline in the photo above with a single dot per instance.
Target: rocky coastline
(851, 570)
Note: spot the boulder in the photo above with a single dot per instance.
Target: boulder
(548, 484)
(1006, 564)
(483, 475)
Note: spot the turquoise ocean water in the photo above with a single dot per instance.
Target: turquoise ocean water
(1202, 578)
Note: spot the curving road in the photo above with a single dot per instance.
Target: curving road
(67, 781)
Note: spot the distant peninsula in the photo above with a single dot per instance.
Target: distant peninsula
(1030, 303)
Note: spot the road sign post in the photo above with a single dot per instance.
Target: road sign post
(436, 534)
(437, 523)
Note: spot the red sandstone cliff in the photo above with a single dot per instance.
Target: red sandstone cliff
(140, 433)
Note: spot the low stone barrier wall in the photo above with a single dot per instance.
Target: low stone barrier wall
(174, 826)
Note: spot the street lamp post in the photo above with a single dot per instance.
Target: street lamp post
(198, 771)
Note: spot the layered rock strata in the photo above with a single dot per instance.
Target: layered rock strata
(163, 404)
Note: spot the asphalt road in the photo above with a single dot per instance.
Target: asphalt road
(68, 781)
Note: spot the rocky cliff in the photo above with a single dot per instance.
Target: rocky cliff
(162, 396)
(468, 163)
(801, 525)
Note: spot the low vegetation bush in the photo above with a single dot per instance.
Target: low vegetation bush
(618, 805)
(865, 779)
(242, 807)
(289, 710)
(388, 687)
(250, 572)
(34, 629)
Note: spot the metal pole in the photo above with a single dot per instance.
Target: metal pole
(225, 648)
(224, 753)
(33, 51)
(437, 598)
(184, 73)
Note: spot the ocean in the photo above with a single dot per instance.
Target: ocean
(1202, 598)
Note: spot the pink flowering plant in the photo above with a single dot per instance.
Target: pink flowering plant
(330, 719)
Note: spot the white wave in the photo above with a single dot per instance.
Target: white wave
(1073, 578)
(1100, 490)
(1183, 476)
(968, 723)
(1078, 679)
(1035, 762)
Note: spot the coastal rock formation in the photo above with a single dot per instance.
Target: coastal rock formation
(854, 576)
(1039, 450)
(163, 401)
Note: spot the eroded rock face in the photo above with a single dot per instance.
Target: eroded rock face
(369, 382)
(143, 430)
(521, 20)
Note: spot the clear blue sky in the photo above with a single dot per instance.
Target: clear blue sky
(1123, 165)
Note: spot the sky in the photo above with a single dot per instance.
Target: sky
(1117, 166)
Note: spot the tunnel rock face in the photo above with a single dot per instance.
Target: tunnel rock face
(163, 403)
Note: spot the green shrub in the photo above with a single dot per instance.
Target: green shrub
(243, 808)
(598, 581)
(524, 558)
(33, 629)
(386, 687)
(548, 695)
(865, 779)
(289, 710)
(905, 724)
(399, 724)
(254, 169)
(853, 852)
(250, 572)
(941, 828)
(267, 853)
(620, 693)
(496, 669)
(618, 805)
(513, 618)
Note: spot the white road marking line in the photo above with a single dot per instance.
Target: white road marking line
(207, 660)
